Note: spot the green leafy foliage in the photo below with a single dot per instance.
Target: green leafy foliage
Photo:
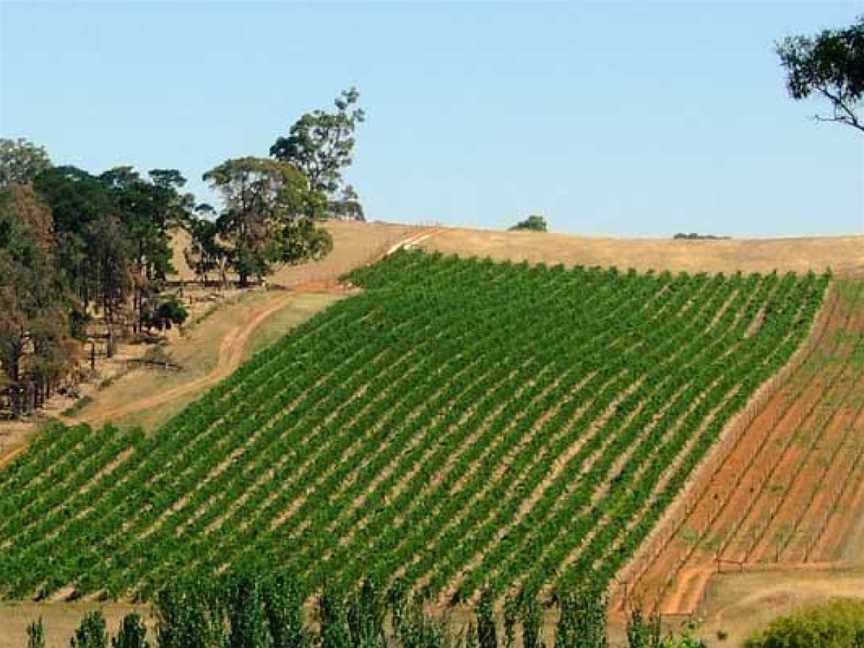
(283, 607)
(269, 216)
(36, 635)
(92, 633)
(20, 161)
(486, 633)
(416, 431)
(164, 313)
(132, 633)
(830, 65)
(321, 145)
(582, 623)
(643, 633)
(839, 623)
(533, 223)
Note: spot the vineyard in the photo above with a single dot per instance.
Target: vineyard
(459, 424)
(785, 490)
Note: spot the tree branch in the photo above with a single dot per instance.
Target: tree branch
(850, 118)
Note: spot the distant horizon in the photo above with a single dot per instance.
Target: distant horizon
(657, 237)
(619, 120)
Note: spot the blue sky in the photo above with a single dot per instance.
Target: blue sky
(629, 119)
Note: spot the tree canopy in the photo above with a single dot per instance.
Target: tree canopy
(74, 247)
(269, 217)
(320, 145)
(20, 161)
(533, 223)
(830, 65)
(78, 248)
(36, 326)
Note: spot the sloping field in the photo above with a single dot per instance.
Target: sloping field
(788, 488)
(843, 254)
(458, 423)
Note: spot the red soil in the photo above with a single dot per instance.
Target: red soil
(786, 490)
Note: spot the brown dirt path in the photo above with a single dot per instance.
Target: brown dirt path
(230, 358)
(363, 244)
(233, 345)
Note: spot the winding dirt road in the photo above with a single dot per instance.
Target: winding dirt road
(233, 345)
(230, 357)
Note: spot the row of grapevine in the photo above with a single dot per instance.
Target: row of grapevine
(459, 426)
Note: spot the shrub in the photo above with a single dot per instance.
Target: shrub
(36, 635)
(831, 625)
(533, 223)
(132, 633)
(92, 633)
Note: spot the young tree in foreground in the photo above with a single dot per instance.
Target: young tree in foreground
(132, 633)
(36, 635)
(92, 633)
(830, 65)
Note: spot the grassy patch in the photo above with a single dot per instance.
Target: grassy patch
(77, 406)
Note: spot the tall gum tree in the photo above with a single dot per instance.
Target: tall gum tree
(321, 145)
(270, 215)
(829, 65)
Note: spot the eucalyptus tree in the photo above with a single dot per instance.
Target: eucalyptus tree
(20, 161)
(321, 145)
(37, 314)
(829, 65)
(270, 215)
(93, 247)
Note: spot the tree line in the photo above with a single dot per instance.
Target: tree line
(79, 249)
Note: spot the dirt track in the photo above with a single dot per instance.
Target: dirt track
(230, 357)
(360, 244)
(231, 350)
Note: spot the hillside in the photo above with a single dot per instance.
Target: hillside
(785, 490)
(843, 254)
(459, 423)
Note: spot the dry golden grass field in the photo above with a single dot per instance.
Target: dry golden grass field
(843, 254)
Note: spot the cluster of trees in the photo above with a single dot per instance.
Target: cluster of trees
(76, 246)
(272, 204)
(533, 223)
(244, 611)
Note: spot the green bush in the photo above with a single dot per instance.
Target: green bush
(132, 633)
(837, 624)
(533, 223)
(36, 635)
(92, 632)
